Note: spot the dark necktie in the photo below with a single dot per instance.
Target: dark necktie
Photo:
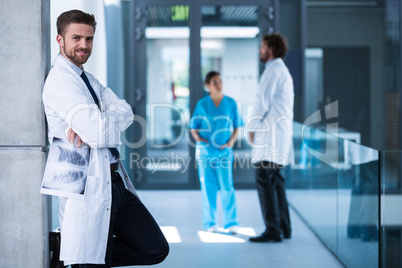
(114, 151)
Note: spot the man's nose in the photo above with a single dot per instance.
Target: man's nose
(84, 44)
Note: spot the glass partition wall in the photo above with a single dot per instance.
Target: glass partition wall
(167, 92)
(334, 188)
(352, 58)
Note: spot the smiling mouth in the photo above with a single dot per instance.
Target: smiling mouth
(82, 52)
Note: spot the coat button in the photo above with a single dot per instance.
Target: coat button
(105, 156)
(107, 209)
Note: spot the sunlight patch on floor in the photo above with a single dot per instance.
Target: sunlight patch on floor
(171, 234)
(207, 237)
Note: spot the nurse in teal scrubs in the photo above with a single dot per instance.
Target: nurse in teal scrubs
(214, 126)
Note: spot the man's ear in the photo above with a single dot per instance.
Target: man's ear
(270, 52)
(60, 40)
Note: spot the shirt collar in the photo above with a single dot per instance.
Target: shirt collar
(76, 69)
(268, 63)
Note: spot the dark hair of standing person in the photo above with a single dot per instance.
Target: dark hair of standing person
(74, 16)
(209, 76)
(277, 43)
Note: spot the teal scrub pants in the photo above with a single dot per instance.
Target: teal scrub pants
(215, 171)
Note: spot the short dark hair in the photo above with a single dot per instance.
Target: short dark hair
(74, 16)
(210, 75)
(277, 43)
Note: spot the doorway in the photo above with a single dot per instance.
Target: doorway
(175, 43)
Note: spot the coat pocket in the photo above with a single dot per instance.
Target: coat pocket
(90, 204)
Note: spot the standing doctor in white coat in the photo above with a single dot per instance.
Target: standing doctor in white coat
(270, 133)
(110, 226)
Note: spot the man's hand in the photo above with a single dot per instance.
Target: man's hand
(71, 137)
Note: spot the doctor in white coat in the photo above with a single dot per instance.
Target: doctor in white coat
(270, 132)
(110, 226)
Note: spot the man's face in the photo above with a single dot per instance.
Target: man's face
(76, 43)
(265, 52)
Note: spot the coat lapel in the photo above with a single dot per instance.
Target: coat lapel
(60, 63)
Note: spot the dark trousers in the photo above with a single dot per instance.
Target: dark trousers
(271, 192)
(134, 236)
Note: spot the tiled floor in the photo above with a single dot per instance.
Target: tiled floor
(178, 212)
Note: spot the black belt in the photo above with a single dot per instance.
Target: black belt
(114, 167)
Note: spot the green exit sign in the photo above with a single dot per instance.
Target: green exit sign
(179, 13)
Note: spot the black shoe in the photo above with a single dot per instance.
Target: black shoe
(266, 237)
(287, 235)
(54, 246)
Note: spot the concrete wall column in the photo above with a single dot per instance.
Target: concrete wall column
(25, 61)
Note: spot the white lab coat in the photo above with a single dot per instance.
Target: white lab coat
(68, 103)
(273, 133)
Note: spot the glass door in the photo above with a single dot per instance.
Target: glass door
(162, 95)
(175, 43)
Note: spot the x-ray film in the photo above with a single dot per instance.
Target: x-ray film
(66, 170)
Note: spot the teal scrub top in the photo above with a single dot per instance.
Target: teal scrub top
(216, 124)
